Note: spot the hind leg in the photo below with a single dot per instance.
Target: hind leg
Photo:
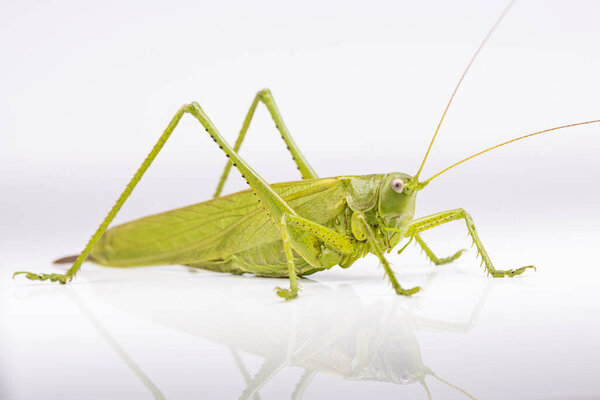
(267, 99)
(272, 204)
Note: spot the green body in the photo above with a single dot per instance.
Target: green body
(234, 234)
(280, 230)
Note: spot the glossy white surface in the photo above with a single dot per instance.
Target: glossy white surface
(167, 332)
(87, 90)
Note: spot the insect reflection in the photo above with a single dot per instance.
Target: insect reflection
(336, 332)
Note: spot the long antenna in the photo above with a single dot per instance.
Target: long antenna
(449, 384)
(461, 79)
(507, 142)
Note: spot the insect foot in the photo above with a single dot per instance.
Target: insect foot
(511, 272)
(448, 260)
(287, 294)
(408, 292)
(61, 278)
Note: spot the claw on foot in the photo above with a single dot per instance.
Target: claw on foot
(287, 294)
(511, 272)
(61, 278)
(408, 292)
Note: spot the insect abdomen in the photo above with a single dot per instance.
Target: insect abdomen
(214, 230)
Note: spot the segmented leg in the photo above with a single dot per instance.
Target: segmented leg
(272, 365)
(273, 205)
(432, 257)
(292, 292)
(386, 266)
(339, 242)
(266, 98)
(300, 233)
(244, 371)
(406, 245)
(425, 223)
(301, 386)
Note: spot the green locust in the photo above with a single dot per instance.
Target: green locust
(290, 229)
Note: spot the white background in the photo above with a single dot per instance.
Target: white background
(88, 87)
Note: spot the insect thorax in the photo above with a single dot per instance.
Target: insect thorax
(387, 211)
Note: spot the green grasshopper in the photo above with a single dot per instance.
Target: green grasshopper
(290, 229)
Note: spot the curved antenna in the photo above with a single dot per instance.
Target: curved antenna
(505, 143)
(426, 388)
(460, 81)
(430, 372)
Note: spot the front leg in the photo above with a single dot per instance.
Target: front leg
(368, 234)
(432, 257)
(425, 223)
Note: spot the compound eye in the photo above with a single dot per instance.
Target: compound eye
(398, 185)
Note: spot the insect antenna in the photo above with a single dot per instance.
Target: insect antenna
(505, 143)
(422, 381)
(430, 372)
(462, 77)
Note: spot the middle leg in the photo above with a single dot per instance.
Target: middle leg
(296, 230)
(370, 236)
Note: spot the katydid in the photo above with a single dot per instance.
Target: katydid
(290, 229)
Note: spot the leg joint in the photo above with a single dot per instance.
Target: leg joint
(264, 92)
